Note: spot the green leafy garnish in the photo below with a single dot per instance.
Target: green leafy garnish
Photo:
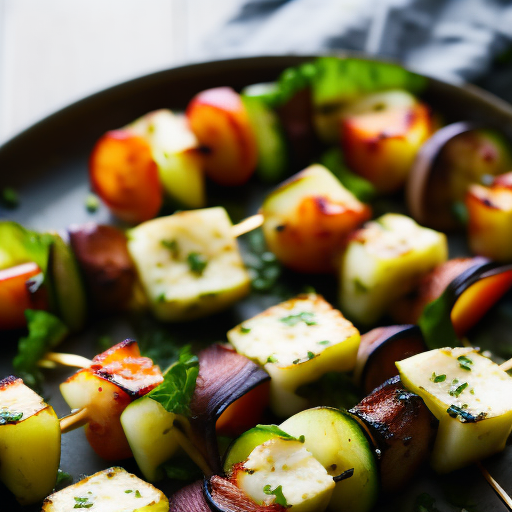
(278, 493)
(437, 378)
(172, 245)
(304, 316)
(176, 391)
(10, 417)
(324, 342)
(360, 187)
(436, 324)
(245, 330)
(465, 363)
(45, 332)
(63, 479)
(272, 359)
(83, 502)
(138, 494)
(92, 203)
(458, 390)
(274, 429)
(311, 355)
(9, 198)
(197, 263)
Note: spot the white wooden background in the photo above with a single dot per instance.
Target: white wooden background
(53, 52)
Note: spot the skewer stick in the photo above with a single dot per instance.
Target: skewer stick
(496, 486)
(74, 420)
(189, 448)
(252, 222)
(507, 365)
(51, 359)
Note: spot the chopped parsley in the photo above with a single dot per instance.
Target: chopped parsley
(437, 378)
(324, 342)
(137, 493)
(311, 355)
(465, 363)
(305, 316)
(172, 245)
(83, 502)
(272, 359)
(197, 263)
(92, 203)
(296, 361)
(245, 330)
(458, 390)
(278, 493)
(10, 417)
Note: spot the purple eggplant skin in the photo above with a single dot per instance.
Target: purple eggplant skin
(422, 173)
(403, 429)
(109, 273)
(380, 348)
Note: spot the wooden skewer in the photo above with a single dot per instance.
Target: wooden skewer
(496, 486)
(252, 222)
(74, 420)
(52, 359)
(189, 448)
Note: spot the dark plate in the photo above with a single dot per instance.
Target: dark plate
(47, 164)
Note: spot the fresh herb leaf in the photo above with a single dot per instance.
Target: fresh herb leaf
(465, 363)
(172, 245)
(197, 263)
(436, 324)
(311, 355)
(45, 332)
(324, 342)
(176, 391)
(9, 198)
(304, 316)
(278, 493)
(128, 491)
(63, 479)
(92, 203)
(437, 378)
(458, 390)
(296, 361)
(272, 359)
(83, 502)
(274, 429)
(245, 330)
(360, 187)
(138, 494)
(10, 417)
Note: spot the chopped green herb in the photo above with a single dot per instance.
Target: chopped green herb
(172, 245)
(10, 198)
(245, 330)
(296, 361)
(128, 491)
(465, 363)
(63, 479)
(324, 342)
(161, 297)
(278, 493)
(138, 494)
(437, 378)
(311, 355)
(272, 359)
(82, 502)
(197, 263)
(176, 391)
(472, 391)
(458, 390)
(92, 203)
(10, 417)
(305, 316)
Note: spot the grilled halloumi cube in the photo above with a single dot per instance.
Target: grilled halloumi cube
(383, 261)
(29, 442)
(283, 471)
(470, 396)
(189, 264)
(297, 342)
(111, 490)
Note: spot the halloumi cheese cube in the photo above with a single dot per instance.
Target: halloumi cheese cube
(189, 264)
(111, 490)
(383, 262)
(470, 396)
(297, 342)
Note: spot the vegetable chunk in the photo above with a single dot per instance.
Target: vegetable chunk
(470, 396)
(297, 342)
(111, 490)
(189, 264)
